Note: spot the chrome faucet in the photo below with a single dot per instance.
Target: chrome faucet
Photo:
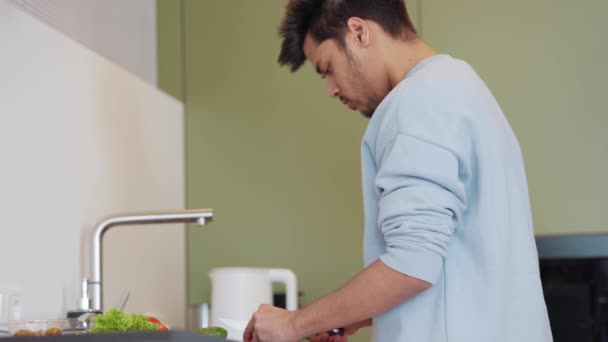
(198, 216)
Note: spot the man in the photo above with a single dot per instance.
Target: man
(449, 244)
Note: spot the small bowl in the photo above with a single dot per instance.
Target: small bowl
(38, 327)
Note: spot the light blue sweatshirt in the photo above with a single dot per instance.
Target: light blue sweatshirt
(446, 201)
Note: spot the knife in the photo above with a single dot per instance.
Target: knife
(337, 331)
(240, 325)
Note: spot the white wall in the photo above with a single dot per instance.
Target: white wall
(122, 31)
(81, 138)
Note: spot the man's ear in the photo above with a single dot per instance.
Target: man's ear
(359, 29)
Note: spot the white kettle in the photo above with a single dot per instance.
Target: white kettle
(237, 292)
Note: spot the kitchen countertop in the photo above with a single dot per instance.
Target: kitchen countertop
(171, 336)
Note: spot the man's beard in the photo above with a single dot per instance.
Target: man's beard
(371, 106)
(373, 101)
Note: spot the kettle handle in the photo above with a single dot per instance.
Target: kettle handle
(287, 277)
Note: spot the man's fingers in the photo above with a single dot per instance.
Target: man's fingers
(249, 333)
(318, 337)
(337, 338)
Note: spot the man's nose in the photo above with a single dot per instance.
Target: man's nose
(333, 89)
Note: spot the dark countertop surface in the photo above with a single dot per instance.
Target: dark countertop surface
(171, 336)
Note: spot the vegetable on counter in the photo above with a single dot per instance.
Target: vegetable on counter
(47, 332)
(114, 321)
(161, 326)
(212, 331)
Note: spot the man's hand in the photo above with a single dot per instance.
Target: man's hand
(271, 324)
(349, 330)
(374, 290)
(324, 337)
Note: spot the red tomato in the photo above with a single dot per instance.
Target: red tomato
(161, 326)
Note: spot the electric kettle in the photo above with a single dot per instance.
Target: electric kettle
(237, 292)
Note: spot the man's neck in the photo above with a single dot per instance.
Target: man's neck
(401, 57)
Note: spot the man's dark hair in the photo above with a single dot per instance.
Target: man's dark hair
(326, 19)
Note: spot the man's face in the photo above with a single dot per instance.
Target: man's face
(344, 74)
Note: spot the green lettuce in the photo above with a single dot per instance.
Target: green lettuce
(115, 321)
(212, 331)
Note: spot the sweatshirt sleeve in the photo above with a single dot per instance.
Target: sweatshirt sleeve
(421, 199)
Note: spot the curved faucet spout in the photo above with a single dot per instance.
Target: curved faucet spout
(198, 216)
